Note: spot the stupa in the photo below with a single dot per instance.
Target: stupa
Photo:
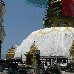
(55, 38)
(10, 53)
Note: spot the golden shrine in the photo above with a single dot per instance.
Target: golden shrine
(30, 55)
(32, 58)
(10, 54)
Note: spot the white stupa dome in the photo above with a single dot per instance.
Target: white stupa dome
(54, 41)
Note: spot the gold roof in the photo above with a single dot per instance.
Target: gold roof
(11, 50)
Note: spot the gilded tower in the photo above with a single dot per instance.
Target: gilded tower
(30, 55)
(54, 16)
(2, 32)
(33, 58)
(10, 54)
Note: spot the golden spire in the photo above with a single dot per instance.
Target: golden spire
(10, 53)
(30, 55)
(33, 47)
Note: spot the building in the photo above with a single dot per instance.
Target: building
(2, 32)
(56, 36)
(32, 59)
(10, 54)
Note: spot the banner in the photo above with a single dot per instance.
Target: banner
(68, 7)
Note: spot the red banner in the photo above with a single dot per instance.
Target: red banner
(68, 7)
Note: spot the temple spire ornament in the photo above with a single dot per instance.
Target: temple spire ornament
(10, 53)
(54, 15)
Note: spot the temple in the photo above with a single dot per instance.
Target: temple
(33, 58)
(10, 54)
(49, 48)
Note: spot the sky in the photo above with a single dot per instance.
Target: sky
(20, 19)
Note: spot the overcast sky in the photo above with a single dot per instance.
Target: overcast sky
(20, 20)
